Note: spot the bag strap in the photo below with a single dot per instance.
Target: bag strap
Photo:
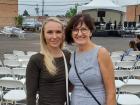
(66, 74)
(86, 88)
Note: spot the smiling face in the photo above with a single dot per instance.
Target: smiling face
(54, 34)
(81, 34)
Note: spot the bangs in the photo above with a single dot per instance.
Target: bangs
(78, 22)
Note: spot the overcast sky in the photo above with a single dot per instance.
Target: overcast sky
(58, 7)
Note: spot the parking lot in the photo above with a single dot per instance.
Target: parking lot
(31, 43)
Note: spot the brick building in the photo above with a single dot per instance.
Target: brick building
(8, 12)
(133, 13)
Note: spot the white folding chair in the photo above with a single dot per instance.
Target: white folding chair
(6, 73)
(126, 64)
(128, 96)
(134, 53)
(10, 57)
(12, 63)
(18, 53)
(117, 53)
(129, 58)
(30, 53)
(16, 91)
(23, 58)
(24, 64)
(19, 72)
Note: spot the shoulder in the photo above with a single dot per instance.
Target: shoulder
(103, 53)
(36, 57)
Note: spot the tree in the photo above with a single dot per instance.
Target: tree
(25, 13)
(19, 20)
(72, 11)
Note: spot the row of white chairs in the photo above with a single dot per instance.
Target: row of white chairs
(14, 73)
(12, 91)
(125, 83)
(121, 53)
(12, 85)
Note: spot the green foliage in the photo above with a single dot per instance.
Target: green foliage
(26, 13)
(72, 11)
(19, 20)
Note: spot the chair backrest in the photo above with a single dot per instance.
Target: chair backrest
(134, 53)
(18, 53)
(129, 58)
(117, 53)
(5, 71)
(11, 84)
(24, 64)
(122, 73)
(12, 63)
(131, 88)
(30, 53)
(20, 72)
(10, 57)
(23, 58)
(116, 59)
(126, 64)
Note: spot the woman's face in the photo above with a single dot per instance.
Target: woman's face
(81, 34)
(54, 34)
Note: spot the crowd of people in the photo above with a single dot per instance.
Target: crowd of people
(91, 75)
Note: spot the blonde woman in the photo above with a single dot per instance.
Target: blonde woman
(45, 74)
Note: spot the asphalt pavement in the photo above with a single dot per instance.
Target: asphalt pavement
(31, 43)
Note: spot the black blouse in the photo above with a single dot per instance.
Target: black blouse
(51, 89)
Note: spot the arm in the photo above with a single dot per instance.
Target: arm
(32, 78)
(107, 71)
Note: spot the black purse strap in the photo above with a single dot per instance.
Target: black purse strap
(86, 88)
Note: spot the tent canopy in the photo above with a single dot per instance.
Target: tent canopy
(100, 4)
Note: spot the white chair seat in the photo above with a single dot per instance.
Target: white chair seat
(132, 81)
(15, 95)
(128, 99)
(7, 78)
(119, 83)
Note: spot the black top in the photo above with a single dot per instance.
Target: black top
(51, 89)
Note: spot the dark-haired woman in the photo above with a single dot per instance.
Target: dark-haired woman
(90, 64)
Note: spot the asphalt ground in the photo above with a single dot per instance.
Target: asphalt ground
(31, 43)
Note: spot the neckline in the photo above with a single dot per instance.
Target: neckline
(84, 52)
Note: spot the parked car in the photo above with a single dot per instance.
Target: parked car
(32, 24)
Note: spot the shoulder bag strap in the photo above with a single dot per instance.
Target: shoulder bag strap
(86, 88)
(66, 74)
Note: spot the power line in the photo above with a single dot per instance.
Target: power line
(55, 2)
(43, 5)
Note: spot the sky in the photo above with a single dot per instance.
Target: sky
(58, 7)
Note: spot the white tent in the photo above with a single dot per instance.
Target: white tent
(100, 4)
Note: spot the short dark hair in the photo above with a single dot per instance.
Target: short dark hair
(138, 37)
(75, 21)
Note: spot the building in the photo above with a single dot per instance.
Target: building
(133, 13)
(8, 12)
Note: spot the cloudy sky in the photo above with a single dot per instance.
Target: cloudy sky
(58, 7)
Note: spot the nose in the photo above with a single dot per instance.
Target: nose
(79, 33)
(54, 35)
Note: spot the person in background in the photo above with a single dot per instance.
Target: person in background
(45, 74)
(91, 63)
(137, 41)
(132, 45)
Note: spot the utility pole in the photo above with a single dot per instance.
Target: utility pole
(37, 10)
(43, 7)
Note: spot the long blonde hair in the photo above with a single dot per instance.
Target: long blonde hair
(48, 58)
